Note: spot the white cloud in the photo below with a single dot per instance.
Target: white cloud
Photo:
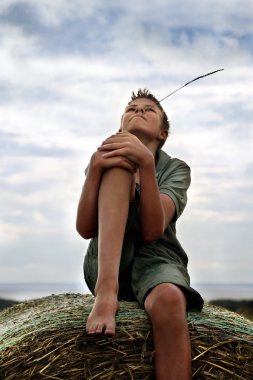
(59, 100)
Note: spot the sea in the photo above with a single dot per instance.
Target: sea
(28, 291)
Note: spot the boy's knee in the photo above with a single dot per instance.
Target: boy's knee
(165, 301)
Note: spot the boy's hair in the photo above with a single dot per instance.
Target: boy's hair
(147, 94)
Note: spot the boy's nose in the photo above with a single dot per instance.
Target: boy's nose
(139, 109)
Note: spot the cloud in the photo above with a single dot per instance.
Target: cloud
(67, 71)
(10, 146)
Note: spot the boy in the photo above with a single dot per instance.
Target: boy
(133, 194)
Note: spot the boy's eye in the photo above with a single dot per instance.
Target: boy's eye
(130, 109)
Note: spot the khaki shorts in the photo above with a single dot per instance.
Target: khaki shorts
(143, 266)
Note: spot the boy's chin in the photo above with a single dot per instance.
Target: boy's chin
(140, 134)
(135, 129)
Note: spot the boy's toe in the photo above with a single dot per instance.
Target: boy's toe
(99, 328)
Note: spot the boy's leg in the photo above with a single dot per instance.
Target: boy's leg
(166, 307)
(113, 205)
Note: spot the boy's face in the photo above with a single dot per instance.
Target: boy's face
(143, 118)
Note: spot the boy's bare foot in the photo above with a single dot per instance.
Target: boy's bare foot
(102, 317)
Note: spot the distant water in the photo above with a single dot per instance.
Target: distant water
(27, 291)
(222, 291)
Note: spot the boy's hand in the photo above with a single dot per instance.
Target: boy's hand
(101, 163)
(127, 145)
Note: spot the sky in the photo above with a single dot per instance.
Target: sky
(67, 70)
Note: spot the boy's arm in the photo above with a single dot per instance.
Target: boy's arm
(156, 210)
(86, 220)
(87, 211)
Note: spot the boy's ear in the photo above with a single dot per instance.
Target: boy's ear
(163, 135)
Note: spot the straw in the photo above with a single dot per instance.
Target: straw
(46, 339)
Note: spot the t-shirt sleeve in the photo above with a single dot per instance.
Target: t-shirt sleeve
(174, 182)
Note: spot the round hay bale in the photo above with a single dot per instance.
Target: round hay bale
(46, 339)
